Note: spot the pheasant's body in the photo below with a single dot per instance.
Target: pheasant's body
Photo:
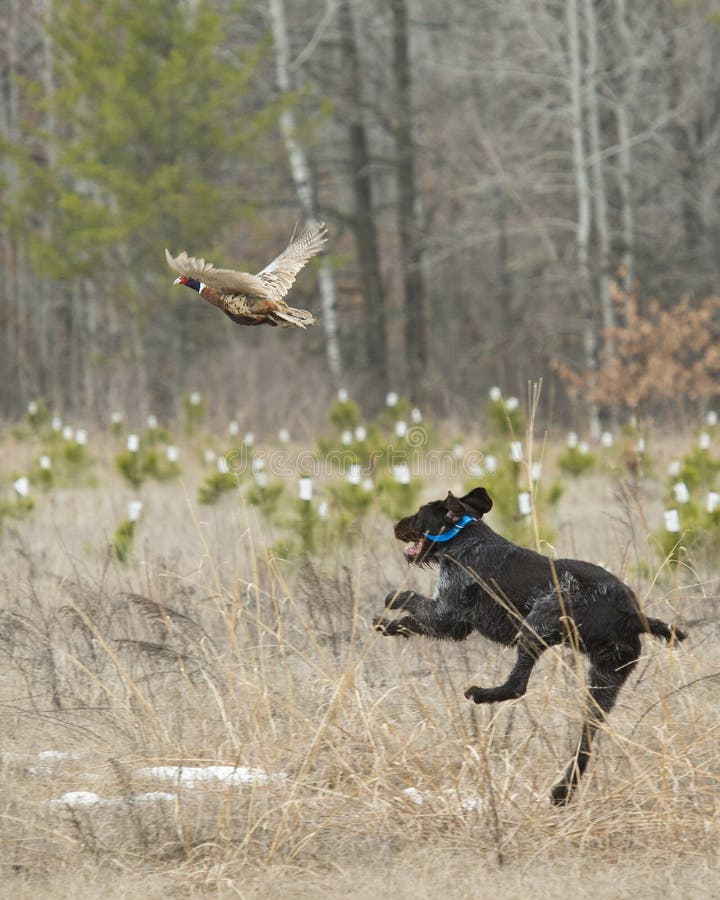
(253, 299)
(249, 312)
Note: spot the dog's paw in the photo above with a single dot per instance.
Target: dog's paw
(477, 694)
(390, 628)
(394, 599)
(561, 793)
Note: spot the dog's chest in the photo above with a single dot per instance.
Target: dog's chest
(472, 597)
(449, 583)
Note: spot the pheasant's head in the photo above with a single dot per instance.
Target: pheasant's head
(188, 282)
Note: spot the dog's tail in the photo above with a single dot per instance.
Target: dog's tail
(661, 629)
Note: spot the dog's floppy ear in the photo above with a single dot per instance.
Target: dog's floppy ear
(478, 501)
(455, 508)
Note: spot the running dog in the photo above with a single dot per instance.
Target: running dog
(514, 596)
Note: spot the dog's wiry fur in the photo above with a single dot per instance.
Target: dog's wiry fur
(515, 596)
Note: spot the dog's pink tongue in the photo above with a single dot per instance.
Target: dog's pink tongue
(413, 549)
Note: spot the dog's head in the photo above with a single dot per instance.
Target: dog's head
(438, 517)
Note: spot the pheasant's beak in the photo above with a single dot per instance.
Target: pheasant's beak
(178, 280)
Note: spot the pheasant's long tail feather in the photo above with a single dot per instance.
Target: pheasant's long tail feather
(300, 318)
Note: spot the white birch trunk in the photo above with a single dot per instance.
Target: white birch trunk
(598, 180)
(622, 117)
(584, 200)
(17, 285)
(302, 179)
(48, 291)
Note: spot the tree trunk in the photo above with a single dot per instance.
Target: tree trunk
(582, 187)
(46, 291)
(415, 300)
(602, 226)
(688, 166)
(375, 339)
(505, 294)
(622, 117)
(303, 181)
(16, 281)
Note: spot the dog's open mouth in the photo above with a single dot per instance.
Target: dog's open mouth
(415, 549)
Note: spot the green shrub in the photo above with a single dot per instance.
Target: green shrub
(69, 463)
(122, 540)
(504, 422)
(156, 465)
(130, 467)
(74, 455)
(157, 435)
(194, 411)
(215, 485)
(37, 415)
(698, 469)
(397, 500)
(43, 476)
(575, 462)
(306, 525)
(15, 508)
(386, 420)
(555, 492)
(146, 462)
(504, 486)
(344, 414)
(266, 498)
(350, 504)
(699, 534)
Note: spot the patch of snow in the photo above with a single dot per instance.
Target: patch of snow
(464, 804)
(80, 799)
(75, 799)
(414, 796)
(41, 771)
(192, 775)
(155, 797)
(56, 754)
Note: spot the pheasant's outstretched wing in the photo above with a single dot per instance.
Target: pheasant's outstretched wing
(227, 280)
(279, 275)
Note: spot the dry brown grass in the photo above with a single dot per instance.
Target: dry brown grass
(206, 650)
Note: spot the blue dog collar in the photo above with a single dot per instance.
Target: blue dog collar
(451, 532)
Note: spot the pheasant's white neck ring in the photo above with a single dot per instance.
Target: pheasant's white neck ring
(193, 283)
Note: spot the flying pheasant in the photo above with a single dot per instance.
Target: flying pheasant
(253, 299)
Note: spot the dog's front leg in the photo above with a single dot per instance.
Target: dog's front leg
(428, 616)
(404, 626)
(403, 600)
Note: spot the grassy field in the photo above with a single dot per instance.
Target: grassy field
(215, 715)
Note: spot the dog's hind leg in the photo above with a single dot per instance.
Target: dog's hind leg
(530, 648)
(514, 686)
(609, 670)
(538, 632)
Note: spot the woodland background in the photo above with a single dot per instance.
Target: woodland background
(506, 184)
(195, 517)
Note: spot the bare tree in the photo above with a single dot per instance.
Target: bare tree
(627, 81)
(302, 177)
(363, 216)
(409, 208)
(583, 195)
(599, 189)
